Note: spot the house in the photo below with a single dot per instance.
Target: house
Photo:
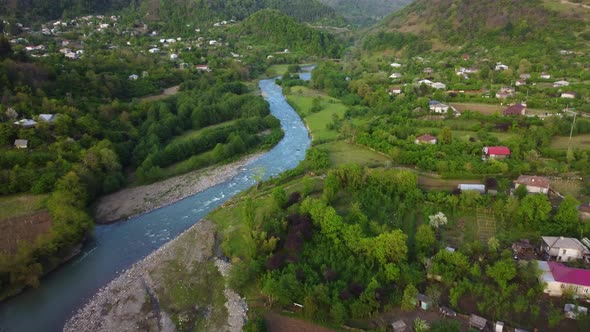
(513, 110)
(448, 312)
(203, 68)
(520, 82)
(437, 107)
(133, 77)
(568, 95)
(495, 152)
(425, 139)
(557, 278)
(395, 65)
(545, 76)
(534, 184)
(560, 84)
(525, 76)
(71, 55)
(424, 302)
(438, 85)
(21, 143)
(154, 50)
(500, 66)
(26, 123)
(47, 117)
(572, 311)
(395, 75)
(426, 82)
(505, 92)
(584, 211)
(173, 56)
(563, 249)
(477, 322)
(399, 326)
(394, 90)
(213, 42)
(481, 188)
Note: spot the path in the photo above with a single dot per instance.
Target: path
(166, 93)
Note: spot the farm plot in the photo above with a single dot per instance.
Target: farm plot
(486, 225)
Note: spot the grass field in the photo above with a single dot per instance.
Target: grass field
(190, 134)
(301, 98)
(490, 109)
(20, 205)
(578, 142)
(342, 153)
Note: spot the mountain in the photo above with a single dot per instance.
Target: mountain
(179, 11)
(511, 22)
(365, 12)
(274, 29)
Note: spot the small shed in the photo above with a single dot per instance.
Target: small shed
(424, 302)
(445, 311)
(21, 143)
(399, 326)
(477, 322)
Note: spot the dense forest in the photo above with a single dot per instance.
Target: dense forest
(365, 12)
(270, 27)
(158, 12)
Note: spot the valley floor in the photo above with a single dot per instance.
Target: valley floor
(136, 200)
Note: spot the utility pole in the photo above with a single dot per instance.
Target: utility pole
(569, 144)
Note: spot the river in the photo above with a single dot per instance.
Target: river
(113, 248)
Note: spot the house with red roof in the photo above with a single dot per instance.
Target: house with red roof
(558, 278)
(516, 109)
(425, 139)
(495, 152)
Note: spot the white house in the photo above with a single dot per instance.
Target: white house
(534, 184)
(47, 117)
(520, 82)
(173, 56)
(557, 278)
(438, 85)
(395, 75)
(21, 143)
(425, 139)
(26, 123)
(568, 95)
(425, 81)
(437, 107)
(500, 66)
(560, 84)
(213, 42)
(545, 76)
(395, 65)
(564, 249)
(394, 90)
(154, 50)
(133, 77)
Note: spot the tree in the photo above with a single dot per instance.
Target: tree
(534, 209)
(502, 272)
(425, 241)
(438, 220)
(446, 136)
(390, 247)
(420, 325)
(567, 215)
(520, 192)
(409, 298)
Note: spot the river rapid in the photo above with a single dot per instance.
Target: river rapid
(113, 248)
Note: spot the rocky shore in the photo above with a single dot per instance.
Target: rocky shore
(139, 298)
(137, 200)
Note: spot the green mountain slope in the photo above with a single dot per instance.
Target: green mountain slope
(365, 12)
(272, 28)
(510, 22)
(181, 11)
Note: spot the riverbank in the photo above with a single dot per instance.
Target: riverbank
(133, 201)
(180, 284)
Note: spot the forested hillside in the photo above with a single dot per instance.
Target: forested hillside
(365, 12)
(270, 27)
(184, 11)
(457, 22)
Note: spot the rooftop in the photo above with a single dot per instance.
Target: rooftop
(569, 275)
(533, 180)
(565, 242)
(425, 137)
